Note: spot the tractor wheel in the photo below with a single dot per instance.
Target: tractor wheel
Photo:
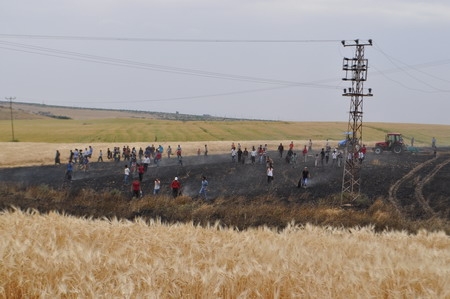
(397, 149)
(378, 150)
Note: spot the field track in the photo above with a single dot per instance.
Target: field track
(416, 180)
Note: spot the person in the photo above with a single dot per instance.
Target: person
(176, 186)
(261, 154)
(204, 187)
(253, 155)
(412, 141)
(85, 164)
(140, 154)
(169, 152)
(310, 146)
(69, 171)
(281, 150)
(244, 155)
(360, 156)
(76, 154)
(146, 162)
(157, 186)
(71, 156)
(303, 182)
(57, 158)
(334, 156)
(179, 156)
(158, 157)
(269, 174)
(305, 153)
(289, 156)
(100, 156)
(206, 150)
(322, 156)
(199, 152)
(340, 157)
(433, 143)
(160, 149)
(141, 171)
(291, 145)
(136, 188)
(90, 151)
(269, 161)
(239, 154)
(116, 154)
(293, 161)
(126, 173)
(233, 155)
(133, 165)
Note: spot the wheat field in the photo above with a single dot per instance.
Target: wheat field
(38, 139)
(35, 153)
(59, 256)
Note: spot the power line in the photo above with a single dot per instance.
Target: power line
(177, 40)
(404, 70)
(153, 67)
(182, 97)
(25, 48)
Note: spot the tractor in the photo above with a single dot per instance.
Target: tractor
(393, 142)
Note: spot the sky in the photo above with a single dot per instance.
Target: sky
(257, 59)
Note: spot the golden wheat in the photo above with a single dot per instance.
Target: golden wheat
(55, 256)
(15, 154)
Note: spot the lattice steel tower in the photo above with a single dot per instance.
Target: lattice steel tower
(356, 72)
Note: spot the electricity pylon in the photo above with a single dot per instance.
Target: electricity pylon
(355, 72)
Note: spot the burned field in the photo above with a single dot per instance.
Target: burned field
(415, 184)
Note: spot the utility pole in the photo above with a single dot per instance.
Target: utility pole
(12, 122)
(355, 72)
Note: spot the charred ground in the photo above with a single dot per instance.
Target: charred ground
(416, 184)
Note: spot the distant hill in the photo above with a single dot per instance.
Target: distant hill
(35, 111)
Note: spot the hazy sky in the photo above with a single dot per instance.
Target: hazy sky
(278, 60)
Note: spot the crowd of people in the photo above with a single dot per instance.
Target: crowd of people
(137, 162)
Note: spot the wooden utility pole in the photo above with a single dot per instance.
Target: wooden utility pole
(356, 72)
(12, 121)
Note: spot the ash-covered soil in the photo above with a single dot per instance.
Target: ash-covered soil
(417, 184)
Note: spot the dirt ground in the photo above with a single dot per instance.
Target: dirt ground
(417, 184)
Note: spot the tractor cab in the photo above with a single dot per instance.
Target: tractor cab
(393, 142)
(393, 138)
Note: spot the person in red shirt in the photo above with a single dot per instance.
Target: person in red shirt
(305, 153)
(141, 170)
(291, 145)
(364, 150)
(136, 188)
(158, 157)
(176, 186)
